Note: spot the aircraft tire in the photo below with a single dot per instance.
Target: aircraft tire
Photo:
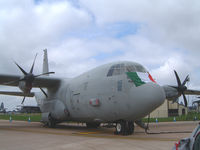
(92, 125)
(130, 127)
(124, 128)
(120, 128)
(51, 123)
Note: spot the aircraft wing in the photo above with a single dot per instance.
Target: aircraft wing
(192, 92)
(16, 93)
(8, 78)
(43, 81)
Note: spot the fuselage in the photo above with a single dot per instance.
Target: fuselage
(106, 94)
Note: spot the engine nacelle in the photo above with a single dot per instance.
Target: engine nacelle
(55, 108)
(170, 92)
(25, 87)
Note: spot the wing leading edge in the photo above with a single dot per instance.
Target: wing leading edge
(44, 82)
(17, 93)
(192, 92)
(39, 82)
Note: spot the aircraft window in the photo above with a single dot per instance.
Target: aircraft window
(119, 85)
(131, 68)
(120, 69)
(116, 70)
(110, 72)
(140, 68)
(135, 68)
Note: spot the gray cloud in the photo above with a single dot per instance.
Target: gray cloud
(168, 22)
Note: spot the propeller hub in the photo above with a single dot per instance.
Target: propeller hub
(29, 78)
(182, 88)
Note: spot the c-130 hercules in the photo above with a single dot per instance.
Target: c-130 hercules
(120, 92)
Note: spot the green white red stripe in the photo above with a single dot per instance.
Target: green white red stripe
(140, 78)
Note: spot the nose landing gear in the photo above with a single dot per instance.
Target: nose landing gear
(124, 127)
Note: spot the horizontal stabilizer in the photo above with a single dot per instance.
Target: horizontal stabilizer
(16, 93)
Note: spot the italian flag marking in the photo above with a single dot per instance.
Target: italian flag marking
(140, 78)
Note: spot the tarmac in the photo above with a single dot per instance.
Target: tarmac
(20, 135)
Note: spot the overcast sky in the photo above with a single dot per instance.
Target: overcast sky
(83, 34)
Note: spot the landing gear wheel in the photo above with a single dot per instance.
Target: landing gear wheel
(124, 128)
(120, 128)
(92, 125)
(130, 127)
(51, 123)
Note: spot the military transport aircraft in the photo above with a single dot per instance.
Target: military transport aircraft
(120, 93)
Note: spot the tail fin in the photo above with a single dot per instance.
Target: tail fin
(45, 63)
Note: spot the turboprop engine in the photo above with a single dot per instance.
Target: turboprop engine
(26, 82)
(26, 85)
(173, 92)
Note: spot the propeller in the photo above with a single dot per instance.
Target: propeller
(28, 78)
(181, 88)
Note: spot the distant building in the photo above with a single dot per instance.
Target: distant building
(28, 109)
(169, 109)
(176, 109)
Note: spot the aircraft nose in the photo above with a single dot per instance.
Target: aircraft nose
(147, 97)
(156, 95)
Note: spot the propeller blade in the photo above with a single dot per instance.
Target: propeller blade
(44, 74)
(31, 71)
(43, 92)
(23, 100)
(22, 70)
(186, 80)
(11, 82)
(185, 100)
(181, 87)
(177, 78)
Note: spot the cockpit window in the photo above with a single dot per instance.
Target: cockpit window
(135, 68)
(130, 68)
(140, 68)
(116, 70)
